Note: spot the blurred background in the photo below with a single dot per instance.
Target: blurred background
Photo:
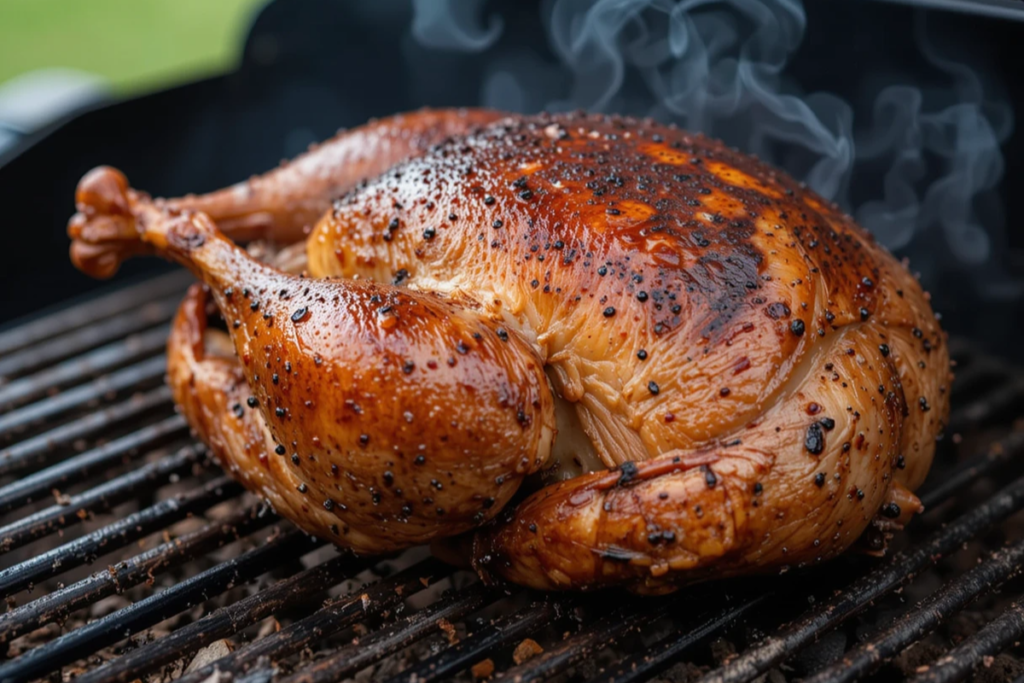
(905, 113)
(57, 55)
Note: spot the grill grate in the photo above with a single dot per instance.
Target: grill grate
(94, 464)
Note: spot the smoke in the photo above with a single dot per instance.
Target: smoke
(453, 25)
(954, 151)
(714, 66)
(921, 162)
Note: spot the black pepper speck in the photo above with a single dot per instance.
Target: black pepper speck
(814, 440)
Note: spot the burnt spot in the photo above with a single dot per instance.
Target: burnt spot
(661, 536)
(814, 439)
(892, 511)
(627, 471)
(777, 311)
(709, 477)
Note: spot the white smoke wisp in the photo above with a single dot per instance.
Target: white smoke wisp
(714, 66)
(453, 25)
(932, 156)
(954, 150)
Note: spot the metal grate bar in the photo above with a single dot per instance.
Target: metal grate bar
(995, 404)
(31, 488)
(127, 378)
(103, 497)
(658, 657)
(121, 576)
(49, 352)
(117, 535)
(993, 638)
(154, 609)
(82, 367)
(338, 614)
(828, 613)
(369, 650)
(978, 375)
(76, 316)
(38, 449)
(476, 646)
(921, 620)
(225, 621)
(1000, 452)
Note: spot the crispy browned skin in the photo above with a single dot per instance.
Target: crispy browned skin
(764, 379)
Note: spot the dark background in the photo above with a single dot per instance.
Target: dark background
(312, 66)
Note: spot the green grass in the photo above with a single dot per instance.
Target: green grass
(137, 44)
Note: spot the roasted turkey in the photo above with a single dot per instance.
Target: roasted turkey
(686, 364)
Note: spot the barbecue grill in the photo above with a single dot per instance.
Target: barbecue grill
(102, 477)
(126, 554)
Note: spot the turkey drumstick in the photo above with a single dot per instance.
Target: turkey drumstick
(737, 377)
(284, 203)
(374, 416)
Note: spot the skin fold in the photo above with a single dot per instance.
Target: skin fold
(711, 370)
